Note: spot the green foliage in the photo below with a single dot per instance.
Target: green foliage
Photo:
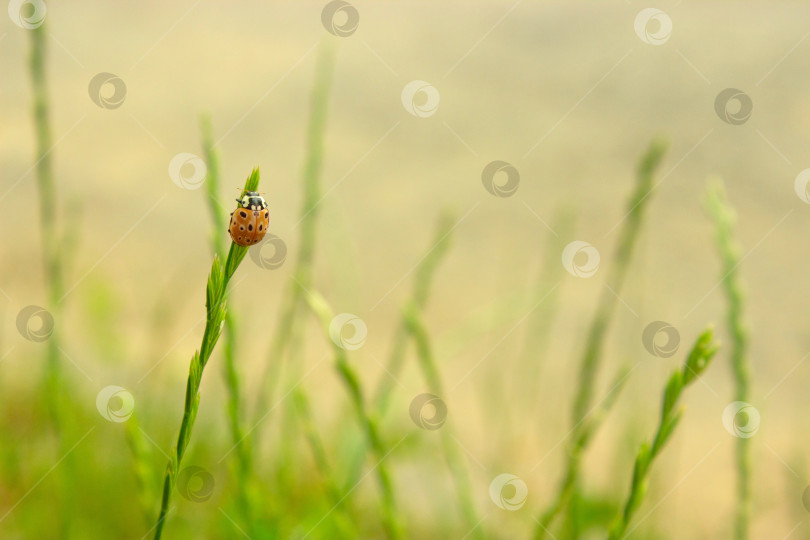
(215, 314)
(698, 360)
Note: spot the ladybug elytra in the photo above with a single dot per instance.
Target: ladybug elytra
(250, 220)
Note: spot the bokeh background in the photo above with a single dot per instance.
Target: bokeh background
(569, 94)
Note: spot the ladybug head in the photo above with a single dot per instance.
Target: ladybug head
(252, 201)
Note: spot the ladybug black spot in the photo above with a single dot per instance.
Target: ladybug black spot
(260, 226)
(250, 227)
(266, 213)
(243, 214)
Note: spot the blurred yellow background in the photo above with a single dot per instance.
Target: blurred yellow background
(566, 93)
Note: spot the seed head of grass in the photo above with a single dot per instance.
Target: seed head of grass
(215, 317)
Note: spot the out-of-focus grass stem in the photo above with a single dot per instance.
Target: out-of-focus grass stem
(724, 219)
(54, 379)
(458, 469)
(366, 418)
(592, 355)
(292, 305)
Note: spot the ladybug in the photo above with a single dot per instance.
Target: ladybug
(250, 220)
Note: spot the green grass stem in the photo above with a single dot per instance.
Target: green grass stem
(366, 418)
(592, 355)
(243, 466)
(698, 360)
(54, 379)
(724, 219)
(421, 290)
(215, 305)
(590, 426)
(458, 469)
(292, 305)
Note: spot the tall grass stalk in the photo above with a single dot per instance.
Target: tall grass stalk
(458, 470)
(54, 379)
(724, 219)
(578, 445)
(698, 360)
(423, 279)
(592, 355)
(292, 304)
(243, 466)
(366, 418)
(421, 290)
(215, 305)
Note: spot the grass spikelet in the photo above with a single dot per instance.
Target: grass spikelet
(696, 363)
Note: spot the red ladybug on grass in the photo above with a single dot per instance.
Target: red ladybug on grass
(250, 220)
